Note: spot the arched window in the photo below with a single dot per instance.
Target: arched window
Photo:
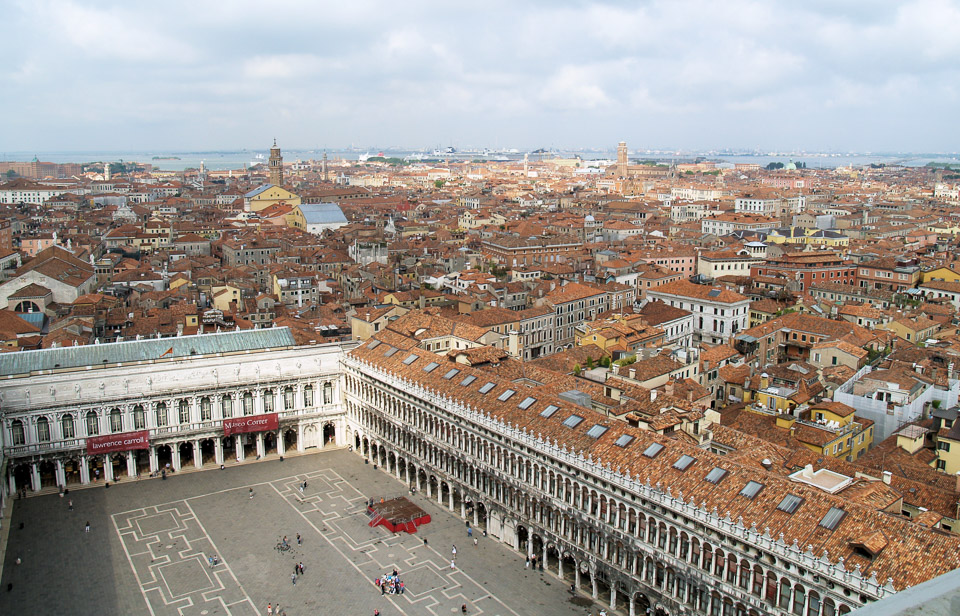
(67, 426)
(206, 409)
(798, 597)
(247, 403)
(184, 412)
(308, 395)
(161, 414)
(328, 393)
(116, 421)
(93, 426)
(43, 430)
(139, 418)
(268, 400)
(226, 405)
(19, 438)
(287, 398)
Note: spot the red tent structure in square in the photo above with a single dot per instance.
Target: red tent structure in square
(398, 514)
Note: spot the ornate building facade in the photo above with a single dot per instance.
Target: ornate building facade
(155, 405)
(635, 519)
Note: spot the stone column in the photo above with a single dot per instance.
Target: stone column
(175, 462)
(613, 597)
(544, 562)
(476, 514)
(197, 454)
(108, 467)
(261, 450)
(576, 575)
(154, 462)
(463, 506)
(84, 470)
(238, 445)
(218, 450)
(633, 605)
(559, 565)
(12, 482)
(61, 474)
(593, 583)
(299, 438)
(450, 497)
(281, 450)
(35, 477)
(131, 464)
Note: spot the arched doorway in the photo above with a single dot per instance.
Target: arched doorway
(208, 451)
(523, 536)
(186, 454)
(641, 604)
(329, 434)
(118, 462)
(228, 443)
(269, 443)
(48, 474)
(71, 471)
(21, 475)
(357, 444)
(310, 436)
(141, 460)
(537, 549)
(164, 456)
(481, 516)
(95, 466)
(289, 439)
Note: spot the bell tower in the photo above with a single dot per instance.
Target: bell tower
(276, 165)
(622, 159)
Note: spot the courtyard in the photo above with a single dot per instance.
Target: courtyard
(149, 543)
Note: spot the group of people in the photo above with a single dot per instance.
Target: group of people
(297, 571)
(390, 583)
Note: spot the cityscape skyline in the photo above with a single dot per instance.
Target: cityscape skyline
(863, 77)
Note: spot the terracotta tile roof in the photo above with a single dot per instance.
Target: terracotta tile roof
(918, 554)
(685, 288)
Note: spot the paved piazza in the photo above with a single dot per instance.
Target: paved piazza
(147, 550)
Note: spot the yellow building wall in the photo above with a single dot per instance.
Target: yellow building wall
(941, 273)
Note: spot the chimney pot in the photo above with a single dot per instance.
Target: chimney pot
(886, 477)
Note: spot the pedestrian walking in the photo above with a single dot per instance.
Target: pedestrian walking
(299, 542)
(251, 492)
(474, 542)
(301, 490)
(70, 505)
(453, 564)
(454, 552)
(269, 610)
(526, 565)
(86, 528)
(376, 612)
(383, 588)
(301, 567)
(293, 578)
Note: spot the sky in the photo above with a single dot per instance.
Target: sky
(816, 75)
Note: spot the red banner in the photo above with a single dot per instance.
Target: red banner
(251, 423)
(118, 442)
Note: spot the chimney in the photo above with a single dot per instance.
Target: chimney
(764, 381)
(633, 373)
(887, 475)
(653, 395)
(766, 463)
(668, 388)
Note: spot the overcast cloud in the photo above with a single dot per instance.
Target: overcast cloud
(817, 75)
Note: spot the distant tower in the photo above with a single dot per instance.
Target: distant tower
(106, 172)
(526, 159)
(326, 178)
(622, 159)
(276, 165)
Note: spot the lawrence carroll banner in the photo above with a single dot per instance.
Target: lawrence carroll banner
(251, 423)
(118, 442)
